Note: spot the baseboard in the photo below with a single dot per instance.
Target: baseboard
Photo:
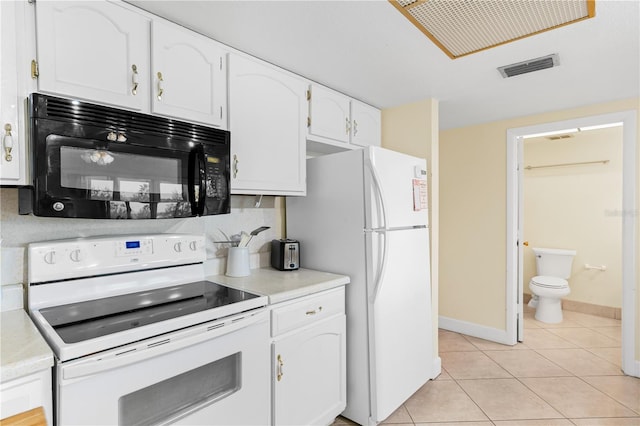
(585, 308)
(436, 367)
(475, 330)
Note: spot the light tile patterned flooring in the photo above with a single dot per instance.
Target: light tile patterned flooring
(563, 374)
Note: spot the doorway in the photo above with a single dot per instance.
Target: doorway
(515, 178)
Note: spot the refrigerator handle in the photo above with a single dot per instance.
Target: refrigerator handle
(382, 266)
(378, 188)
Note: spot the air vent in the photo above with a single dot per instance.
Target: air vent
(530, 65)
(462, 27)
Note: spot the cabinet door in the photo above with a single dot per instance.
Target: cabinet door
(267, 120)
(365, 124)
(94, 50)
(329, 114)
(309, 384)
(188, 75)
(11, 149)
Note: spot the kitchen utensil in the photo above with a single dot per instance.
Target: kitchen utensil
(253, 234)
(244, 239)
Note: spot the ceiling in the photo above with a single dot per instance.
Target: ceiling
(369, 51)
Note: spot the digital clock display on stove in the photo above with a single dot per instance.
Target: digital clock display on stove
(132, 244)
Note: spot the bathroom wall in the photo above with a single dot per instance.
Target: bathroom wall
(17, 231)
(577, 207)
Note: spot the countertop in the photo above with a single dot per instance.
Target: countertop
(23, 350)
(281, 286)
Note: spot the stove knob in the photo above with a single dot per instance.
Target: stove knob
(76, 255)
(177, 247)
(50, 257)
(193, 245)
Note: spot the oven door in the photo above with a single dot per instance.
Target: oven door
(211, 374)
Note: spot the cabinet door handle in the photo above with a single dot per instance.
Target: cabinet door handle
(347, 126)
(280, 365)
(160, 87)
(134, 79)
(315, 311)
(355, 127)
(235, 165)
(7, 142)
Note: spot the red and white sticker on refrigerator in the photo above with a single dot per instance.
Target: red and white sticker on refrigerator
(420, 201)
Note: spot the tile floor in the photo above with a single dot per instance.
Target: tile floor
(563, 374)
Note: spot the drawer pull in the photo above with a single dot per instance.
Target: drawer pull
(280, 365)
(314, 311)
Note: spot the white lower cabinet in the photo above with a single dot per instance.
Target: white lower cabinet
(309, 359)
(25, 393)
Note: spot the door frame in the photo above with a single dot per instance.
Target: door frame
(630, 209)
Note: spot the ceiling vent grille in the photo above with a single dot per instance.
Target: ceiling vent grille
(460, 27)
(530, 65)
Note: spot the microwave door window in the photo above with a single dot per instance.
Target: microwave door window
(136, 186)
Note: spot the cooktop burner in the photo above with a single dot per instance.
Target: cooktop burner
(81, 321)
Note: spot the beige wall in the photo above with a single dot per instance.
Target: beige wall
(577, 207)
(413, 129)
(473, 214)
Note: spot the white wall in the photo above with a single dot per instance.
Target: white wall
(17, 231)
(577, 207)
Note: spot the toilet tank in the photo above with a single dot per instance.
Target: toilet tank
(554, 262)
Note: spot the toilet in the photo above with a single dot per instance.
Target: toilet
(549, 286)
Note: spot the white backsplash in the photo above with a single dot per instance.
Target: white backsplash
(17, 231)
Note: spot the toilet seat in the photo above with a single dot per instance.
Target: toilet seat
(549, 282)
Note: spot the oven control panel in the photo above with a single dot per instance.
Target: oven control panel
(75, 258)
(134, 247)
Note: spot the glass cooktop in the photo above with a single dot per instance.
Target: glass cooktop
(81, 321)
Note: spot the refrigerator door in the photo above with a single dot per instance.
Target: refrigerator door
(398, 189)
(400, 333)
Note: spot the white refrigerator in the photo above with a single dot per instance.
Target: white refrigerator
(365, 215)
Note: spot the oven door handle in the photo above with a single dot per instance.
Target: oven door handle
(158, 346)
(197, 163)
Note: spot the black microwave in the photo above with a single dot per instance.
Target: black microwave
(93, 161)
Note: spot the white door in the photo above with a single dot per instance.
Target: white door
(268, 126)
(398, 184)
(310, 374)
(188, 75)
(329, 113)
(365, 124)
(400, 318)
(520, 232)
(97, 51)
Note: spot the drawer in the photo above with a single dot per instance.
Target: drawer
(306, 310)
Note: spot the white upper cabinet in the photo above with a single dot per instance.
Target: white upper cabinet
(366, 126)
(329, 114)
(337, 120)
(267, 120)
(94, 50)
(188, 75)
(13, 91)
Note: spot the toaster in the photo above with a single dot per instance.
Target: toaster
(285, 254)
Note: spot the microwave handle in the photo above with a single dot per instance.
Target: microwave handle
(197, 159)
